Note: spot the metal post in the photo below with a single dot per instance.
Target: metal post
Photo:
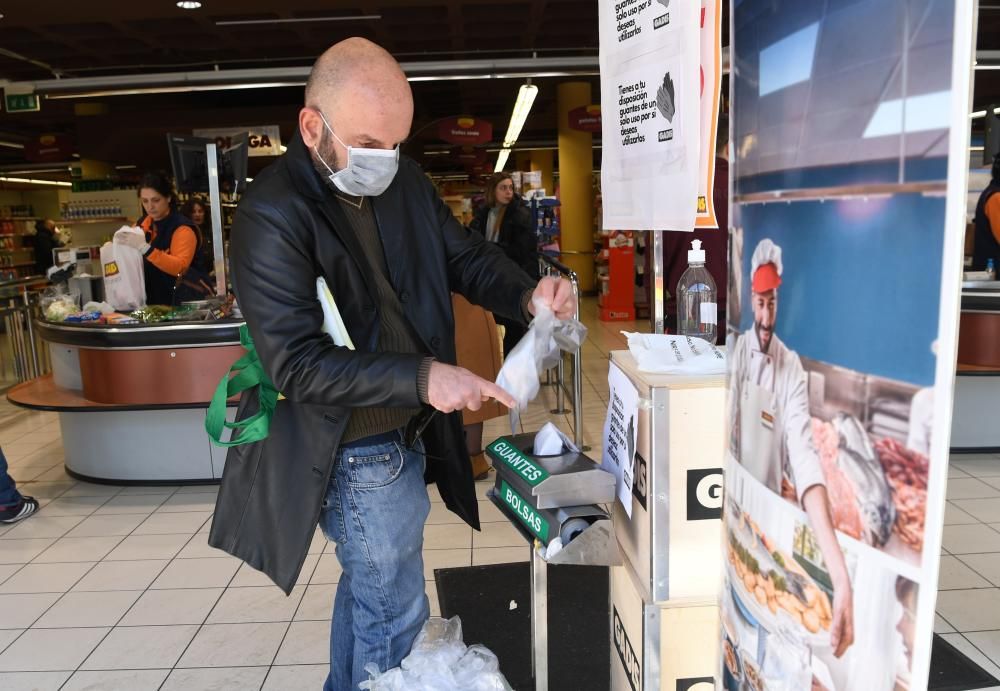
(577, 375)
(539, 621)
(215, 201)
(560, 383)
(32, 346)
(657, 311)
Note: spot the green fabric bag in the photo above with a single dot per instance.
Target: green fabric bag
(248, 373)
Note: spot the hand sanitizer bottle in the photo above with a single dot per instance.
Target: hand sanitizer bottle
(697, 310)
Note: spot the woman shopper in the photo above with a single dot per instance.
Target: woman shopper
(46, 240)
(505, 221)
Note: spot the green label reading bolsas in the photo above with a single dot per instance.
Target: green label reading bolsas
(538, 526)
(505, 451)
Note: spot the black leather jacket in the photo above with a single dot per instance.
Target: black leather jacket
(288, 231)
(517, 236)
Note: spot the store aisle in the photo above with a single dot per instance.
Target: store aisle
(116, 587)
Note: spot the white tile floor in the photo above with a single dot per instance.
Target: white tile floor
(114, 587)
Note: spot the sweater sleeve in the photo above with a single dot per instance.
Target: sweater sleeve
(178, 258)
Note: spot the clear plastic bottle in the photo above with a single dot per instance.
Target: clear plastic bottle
(991, 269)
(697, 310)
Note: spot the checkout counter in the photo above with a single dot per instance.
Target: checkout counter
(132, 398)
(977, 381)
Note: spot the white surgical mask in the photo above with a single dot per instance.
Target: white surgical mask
(368, 172)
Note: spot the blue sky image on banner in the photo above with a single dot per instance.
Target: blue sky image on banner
(841, 92)
(859, 279)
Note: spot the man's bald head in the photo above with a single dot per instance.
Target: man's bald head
(355, 64)
(363, 94)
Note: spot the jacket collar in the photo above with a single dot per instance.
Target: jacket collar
(298, 161)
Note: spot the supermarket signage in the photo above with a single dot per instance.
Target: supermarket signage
(695, 684)
(585, 118)
(626, 653)
(48, 147)
(525, 513)
(22, 103)
(504, 450)
(465, 130)
(704, 494)
(640, 471)
(264, 140)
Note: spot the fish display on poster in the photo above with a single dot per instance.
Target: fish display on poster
(621, 429)
(650, 110)
(838, 443)
(709, 85)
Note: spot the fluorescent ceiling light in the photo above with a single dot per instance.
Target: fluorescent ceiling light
(502, 160)
(976, 148)
(12, 145)
(921, 114)
(32, 181)
(986, 67)
(167, 90)
(128, 167)
(525, 98)
(788, 61)
(296, 20)
(189, 4)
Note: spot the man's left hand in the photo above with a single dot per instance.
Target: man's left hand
(556, 294)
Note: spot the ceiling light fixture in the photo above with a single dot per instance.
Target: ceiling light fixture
(189, 4)
(11, 145)
(502, 160)
(525, 98)
(295, 20)
(32, 181)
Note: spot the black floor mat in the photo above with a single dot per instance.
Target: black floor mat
(579, 652)
(579, 657)
(951, 670)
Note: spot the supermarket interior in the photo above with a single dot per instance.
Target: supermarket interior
(269, 270)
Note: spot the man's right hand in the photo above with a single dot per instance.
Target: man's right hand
(454, 388)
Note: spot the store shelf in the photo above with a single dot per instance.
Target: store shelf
(91, 221)
(21, 218)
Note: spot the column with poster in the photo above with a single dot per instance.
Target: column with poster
(845, 253)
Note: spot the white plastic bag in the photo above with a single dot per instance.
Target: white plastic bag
(124, 281)
(439, 661)
(552, 441)
(667, 354)
(538, 351)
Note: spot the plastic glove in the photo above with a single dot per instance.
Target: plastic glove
(134, 240)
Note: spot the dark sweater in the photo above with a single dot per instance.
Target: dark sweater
(396, 335)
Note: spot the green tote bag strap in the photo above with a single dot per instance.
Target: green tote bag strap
(248, 373)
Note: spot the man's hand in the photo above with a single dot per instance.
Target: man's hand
(556, 294)
(842, 630)
(135, 240)
(454, 388)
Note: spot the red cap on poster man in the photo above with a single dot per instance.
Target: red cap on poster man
(766, 266)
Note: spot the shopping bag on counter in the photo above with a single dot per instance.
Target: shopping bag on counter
(124, 281)
(538, 351)
(669, 354)
(248, 374)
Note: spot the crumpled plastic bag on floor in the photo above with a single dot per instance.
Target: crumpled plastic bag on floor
(538, 351)
(439, 661)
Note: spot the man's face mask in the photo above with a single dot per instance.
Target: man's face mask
(368, 172)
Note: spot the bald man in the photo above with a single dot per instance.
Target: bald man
(360, 428)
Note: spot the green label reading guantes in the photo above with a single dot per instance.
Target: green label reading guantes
(505, 451)
(525, 513)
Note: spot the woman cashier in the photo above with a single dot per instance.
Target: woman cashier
(170, 242)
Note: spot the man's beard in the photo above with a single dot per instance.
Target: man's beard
(764, 345)
(329, 154)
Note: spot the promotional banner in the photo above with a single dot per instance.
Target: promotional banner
(265, 140)
(585, 118)
(850, 129)
(465, 130)
(710, 82)
(650, 105)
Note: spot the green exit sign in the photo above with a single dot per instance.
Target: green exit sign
(22, 103)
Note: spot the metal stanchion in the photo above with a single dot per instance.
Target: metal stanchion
(32, 346)
(539, 620)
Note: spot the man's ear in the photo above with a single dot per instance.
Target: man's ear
(310, 127)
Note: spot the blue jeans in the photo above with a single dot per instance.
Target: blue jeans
(374, 511)
(9, 496)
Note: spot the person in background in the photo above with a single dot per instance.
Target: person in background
(170, 242)
(715, 242)
(505, 221)
(14, 506)
(196, 209)
(46, 240)
(987, 220)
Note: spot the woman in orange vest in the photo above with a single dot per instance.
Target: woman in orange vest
(170, 241)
